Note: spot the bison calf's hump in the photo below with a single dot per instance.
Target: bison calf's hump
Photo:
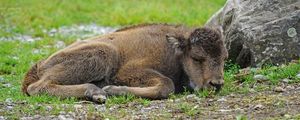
(84, 63)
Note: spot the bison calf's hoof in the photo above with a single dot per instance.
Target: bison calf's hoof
(115, 90)
(95, 94)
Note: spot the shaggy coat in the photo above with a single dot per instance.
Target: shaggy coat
(150, 61)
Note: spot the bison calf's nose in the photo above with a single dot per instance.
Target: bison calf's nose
(218, 84)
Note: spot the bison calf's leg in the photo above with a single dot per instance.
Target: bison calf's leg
(144, 83)
(89, 91)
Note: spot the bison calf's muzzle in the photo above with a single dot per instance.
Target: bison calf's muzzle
(217, 84)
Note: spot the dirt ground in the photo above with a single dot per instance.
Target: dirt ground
(267, 104)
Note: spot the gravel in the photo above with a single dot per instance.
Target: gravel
(20, 37)
(77, 31)
(255, 106)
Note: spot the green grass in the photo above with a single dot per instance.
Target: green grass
(32, 17)
(188, 109)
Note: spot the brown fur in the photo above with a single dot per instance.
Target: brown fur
(30, 77)
(150, 61)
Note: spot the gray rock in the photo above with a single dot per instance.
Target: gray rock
(260, 77)
(259, 32)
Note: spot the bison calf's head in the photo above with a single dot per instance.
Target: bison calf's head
(202, 55)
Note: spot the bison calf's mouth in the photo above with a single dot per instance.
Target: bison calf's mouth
(217, 86)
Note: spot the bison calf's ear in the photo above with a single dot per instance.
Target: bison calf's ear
(177, 43)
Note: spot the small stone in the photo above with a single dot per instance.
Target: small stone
(146, 109)
(290, 87)
(286, 80)
(287, 116)
(252, 90)
(62, 112)
(8, 100)
(36, 117)
(52, 117)
(7, 85)
(292, 32)
(48, 108)
(191, 97)
(177, 100)
(223, 110)
(15, 58)
(279, 89)
(298, 76)
(222, 100)
(260, 77)
(78, 106)
(60, 44)
(9, 107)
(257, 107)
(170, 100)
(83, 102)
(37, 51)
(197, 106)
(2, 118)
(62, 117)
(23, 118)
(100, 108)
(72, 114)
(210, 100)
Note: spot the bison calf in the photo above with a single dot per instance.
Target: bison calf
(150, 61)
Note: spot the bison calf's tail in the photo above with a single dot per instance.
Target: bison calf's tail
(30, 77)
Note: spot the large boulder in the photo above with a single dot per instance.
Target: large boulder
(259, 32)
